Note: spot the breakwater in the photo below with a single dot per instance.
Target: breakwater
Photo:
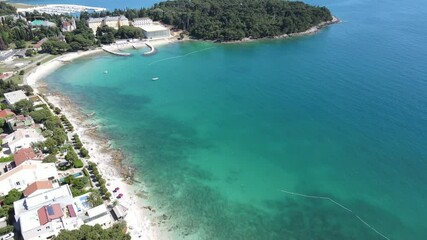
(116, 53)
(152, 50)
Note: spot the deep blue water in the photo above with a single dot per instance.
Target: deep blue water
(341, 114)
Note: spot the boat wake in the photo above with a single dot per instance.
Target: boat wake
(181, 56)
(339, 205)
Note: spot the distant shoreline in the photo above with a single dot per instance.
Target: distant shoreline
(310, 31)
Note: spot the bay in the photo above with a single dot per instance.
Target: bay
(340, 115)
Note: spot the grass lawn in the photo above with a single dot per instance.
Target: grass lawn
(45, 58)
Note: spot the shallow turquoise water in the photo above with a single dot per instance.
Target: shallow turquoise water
(341, 114)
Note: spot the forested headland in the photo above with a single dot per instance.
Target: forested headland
(228, 20)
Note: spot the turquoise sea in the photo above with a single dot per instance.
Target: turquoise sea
(341, 114)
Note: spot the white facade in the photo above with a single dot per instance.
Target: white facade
(155, 31)
(22, 138)
(14, 97)
(114, 22)
(99, 215)
(94, 23)
(139, 22)
(25, 174)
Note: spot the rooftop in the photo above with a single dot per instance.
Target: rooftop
(153, 28)
(35, 201)
(95, 20)
(14, 97)
(42, 23)
(6, 112)
(39, 43)
(23, 155)
(37, 186)
(21, 133)
(49, 213)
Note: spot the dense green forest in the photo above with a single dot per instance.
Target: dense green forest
(235, 19)
(6, 9)
(227, 20)
(222, 20)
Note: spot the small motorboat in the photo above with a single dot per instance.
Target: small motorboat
(105, 72)
(155, 78)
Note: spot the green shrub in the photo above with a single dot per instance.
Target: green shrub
(78, 163)
(57, 110)
(6, 159)
(84, 152)
(86, 172)
(5, 230)
(51, 158)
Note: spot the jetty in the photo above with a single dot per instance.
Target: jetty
(116, 53)
(61, 9)
(152, 50)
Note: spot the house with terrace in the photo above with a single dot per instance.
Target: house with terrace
(43, 215)
(20, 121)
(25, 174)
(46, 211)
(22, 138)
(26, 154)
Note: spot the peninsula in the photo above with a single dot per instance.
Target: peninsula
(234, 20)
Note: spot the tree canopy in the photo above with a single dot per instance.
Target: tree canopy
(116, 232)
(6, 9)
(227, 20)
(23, 106)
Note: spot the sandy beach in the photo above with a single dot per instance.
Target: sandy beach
(140, 224)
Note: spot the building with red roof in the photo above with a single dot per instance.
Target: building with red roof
(38, 187)
(26, 154)
(50, 212)
(6, 112)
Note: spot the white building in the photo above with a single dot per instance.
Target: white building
(99, 215)
(114, 22)
(68, 25)
(44, 215)
(22, 138)
(155, 31)
(14, 97)
(26, 174)
(139, 22)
